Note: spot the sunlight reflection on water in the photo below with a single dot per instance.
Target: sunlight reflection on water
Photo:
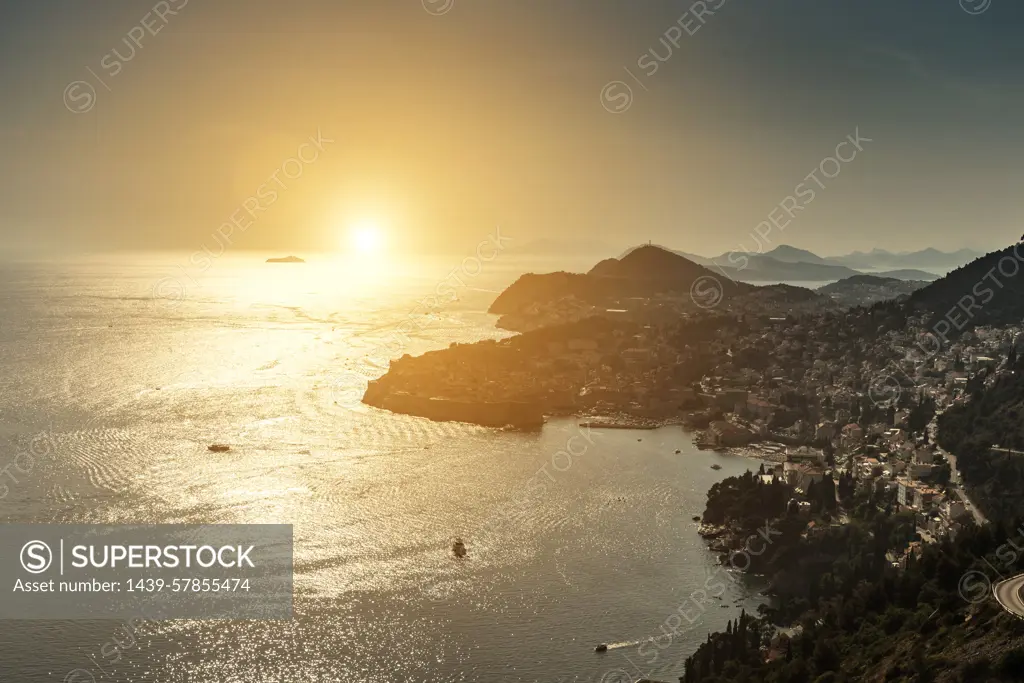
(270, 359)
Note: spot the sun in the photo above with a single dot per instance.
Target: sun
(366, 238)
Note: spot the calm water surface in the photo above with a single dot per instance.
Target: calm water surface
(129, 390)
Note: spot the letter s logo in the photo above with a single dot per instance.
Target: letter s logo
(36, 557)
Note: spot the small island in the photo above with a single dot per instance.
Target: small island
(286, 259)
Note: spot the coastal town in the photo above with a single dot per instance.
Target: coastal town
(846, 395)
(783, 391)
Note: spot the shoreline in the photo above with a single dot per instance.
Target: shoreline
(768, 451)
(624, 422)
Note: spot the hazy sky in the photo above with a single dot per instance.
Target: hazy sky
(452, 116)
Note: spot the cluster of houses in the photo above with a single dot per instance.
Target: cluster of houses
(914, 473)
(919, 476)
(817, 388)
(754, 380)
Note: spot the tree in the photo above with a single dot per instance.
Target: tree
(826, 657)
(826, 493)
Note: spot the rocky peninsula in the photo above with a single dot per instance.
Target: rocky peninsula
(626, 343)
(500, 414)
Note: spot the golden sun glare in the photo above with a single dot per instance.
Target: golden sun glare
(366, 238)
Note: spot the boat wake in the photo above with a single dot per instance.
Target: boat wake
(628, 643)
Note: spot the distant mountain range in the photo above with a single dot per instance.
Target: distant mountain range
(650, 270)
(931, 259)
(787, 263)
(879, 259)
(784, 263)
(788, 254)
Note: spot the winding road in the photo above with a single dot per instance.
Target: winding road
(1008, 593)
(956, 482)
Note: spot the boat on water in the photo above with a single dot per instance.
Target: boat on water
(459, 548)
(716, 466)
(601, 648)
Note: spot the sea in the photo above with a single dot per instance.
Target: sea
(119, 370)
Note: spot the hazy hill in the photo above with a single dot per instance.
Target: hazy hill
(862, 279)
(788, 263)
(908, 274)
(864, 290)
(650, 270)
(977, 293)
(762, 267)
(696, 258)
(794, 265)
(643, 272)
(788, 254)
(532, 288)
(929, 259)
(904, 265)
(649, 262)
(285, 259)
(785, 299)
(783, 253)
